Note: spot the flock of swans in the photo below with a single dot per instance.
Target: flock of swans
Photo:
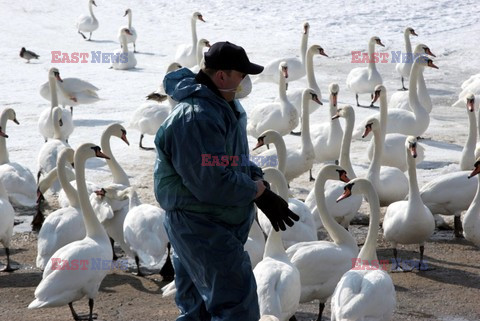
(290, 267)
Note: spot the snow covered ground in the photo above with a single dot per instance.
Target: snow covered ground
(266, 30)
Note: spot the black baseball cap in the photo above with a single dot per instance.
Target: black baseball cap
(227, 56)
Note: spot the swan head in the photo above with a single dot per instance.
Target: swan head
(158, 97)
(119, 131)
(283, 69)
(345, 112)
(173, 66)
(306, 28)
(267, 137)
(316, 49)
(376, 40)
(93, 2)
(54, 73)
(197, 15)
(313, 95)
(422, 48)
(372, 124)
(380, 90)
(426, 62)
(128, 11)
(125, 31)
(334, 89)
(114, 193)
(410, 31)
(204, 43)
(330, 171)
(411, 145)
(476, 168)
(355, 187)
(10, 113)
(470, 100)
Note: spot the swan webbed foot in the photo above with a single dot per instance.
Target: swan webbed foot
(141, 145)
(311, 178)
(457, 227)
(356, 97)
(321, 307)
(296, 133)
(167, 271)
(85, 316)
(90, 38)
(8, 268)
(403, 86)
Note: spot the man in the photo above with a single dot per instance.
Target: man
(207, 186)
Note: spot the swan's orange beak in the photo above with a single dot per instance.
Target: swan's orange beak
(429, 52)
(322, 52)
(413, 151)
(368, 129)
(471, 104)
(376, 96)
(260, 142)
(315, 99)
(124, 137)
(431, 64)
(346, 192)
(342, 175)
(476, 170)
(334, 99)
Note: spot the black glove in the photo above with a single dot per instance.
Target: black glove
(276, 209)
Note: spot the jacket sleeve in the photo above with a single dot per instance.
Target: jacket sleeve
(196, 148)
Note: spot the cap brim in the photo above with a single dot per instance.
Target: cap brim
(252, 69)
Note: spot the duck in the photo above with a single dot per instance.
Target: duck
(363, 80)
(390, 183)
(131, 38)
(17, 179)
(65, 225)
(156, 95)
(327, 138)
(304, 229)
(393, 146)
(277, 279)
(345, 211)
(65, 286)
(368, 292)
(7, 217)
(322, 263)
(125, 59)
(404, 67)
(71, 92)
(295, 95)
(87, 23)
(28, 55)
(471, 220)
(186, 54)
(281, 116)
(467, 159)
(296, 66)
(409, 221)
(400, 98)
(148, 117)
(45, 125)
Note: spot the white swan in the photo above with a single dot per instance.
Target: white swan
(161, 91)
(268, 157)
(394, 144)
(47, 157)
(471, 220)
(302, 231)
(321, 263)
(186, 54)
(87, 23)
(296, 66)
(148, 118)
(469, 86)
(64, 225)
(255, 244)
(404, 67)
(281, 116)
(132, 37)
(202, 44)
(295, 95)
(400, 98)
(467, 159)
(344, 211)
(278, 280)
(363, 80)
(7, 217)
(17, 179)
(365, 293)
(409, 222)
(64, 286)
(124, 59)
(71, 92)
(390, 182)
(45, 125)
(327, 138)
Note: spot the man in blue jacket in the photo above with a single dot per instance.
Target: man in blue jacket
(207, 185)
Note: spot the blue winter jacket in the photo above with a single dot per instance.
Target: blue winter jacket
(202, 163)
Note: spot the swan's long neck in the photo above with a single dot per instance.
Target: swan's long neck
(52, 82)
(3, 141)
(413, 190)
(338, 234)
(124, 44)
(130, 20)
(303, 47)
(193, 23)
(92, 226)
(413, 100)
(282, 89)
(277, 180)
(306, 139)
(371, 51)
(335, 126)
(373, 173)
(312, 82)
(383, 114)
(119, 175)
(90, 8)
(344, 161)
(281, 149)
(134, 200)
(408, 45)
(71, 193)
(199, 54)
(472, 131)
(369, 249)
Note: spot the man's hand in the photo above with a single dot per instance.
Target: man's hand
(276, 209)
